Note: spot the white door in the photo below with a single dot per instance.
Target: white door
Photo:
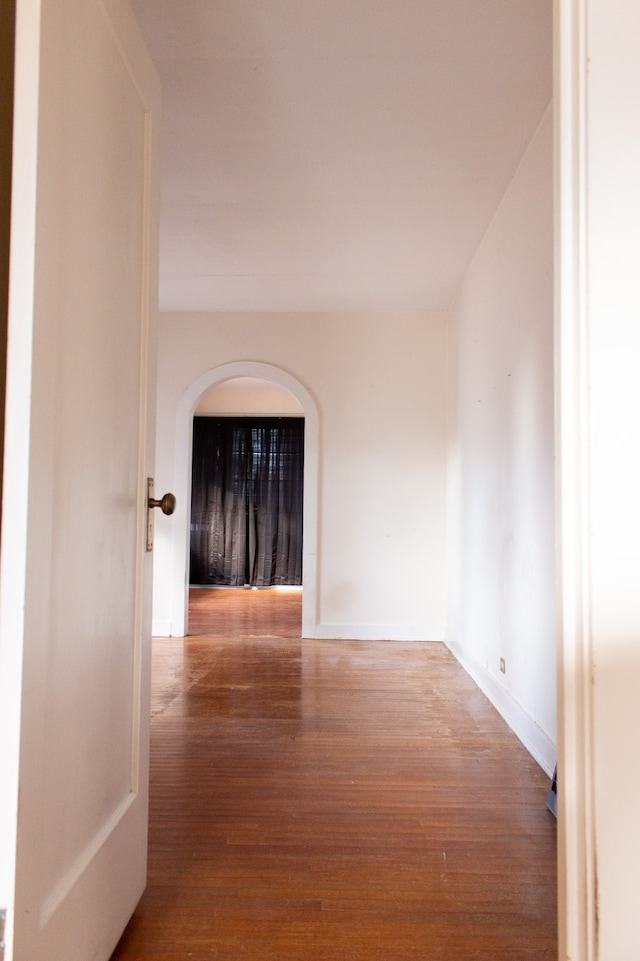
(75, 579)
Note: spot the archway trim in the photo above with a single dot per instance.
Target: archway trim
(182, 486)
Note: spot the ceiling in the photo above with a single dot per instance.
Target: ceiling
(330, 155)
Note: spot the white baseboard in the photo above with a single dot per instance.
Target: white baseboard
(161, 628)
(378, 632)
(537, 743)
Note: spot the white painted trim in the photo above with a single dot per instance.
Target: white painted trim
(79, 865)
(182, 489)
(13, 563)
(121, 23)
(161, 627)
(538, 744)
(379, 632)
(577, 904)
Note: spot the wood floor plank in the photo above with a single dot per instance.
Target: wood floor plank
(335, 801)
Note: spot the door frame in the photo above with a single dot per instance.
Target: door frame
(178, 587)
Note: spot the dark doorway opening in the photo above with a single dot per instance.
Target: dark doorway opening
(247, 501)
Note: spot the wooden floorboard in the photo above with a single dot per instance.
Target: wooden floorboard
(335, 801)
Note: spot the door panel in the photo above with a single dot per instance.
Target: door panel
(86, 156)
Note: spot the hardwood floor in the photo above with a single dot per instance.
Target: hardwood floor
(224, 612)
(335, 801)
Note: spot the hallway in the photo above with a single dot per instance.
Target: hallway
(334, 801)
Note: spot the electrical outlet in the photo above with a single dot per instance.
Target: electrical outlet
(503, 668)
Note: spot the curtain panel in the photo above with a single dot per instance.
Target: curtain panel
(247, 501)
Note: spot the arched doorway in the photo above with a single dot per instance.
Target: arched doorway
(172, 561)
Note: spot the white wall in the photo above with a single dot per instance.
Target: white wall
(378, 382)
(237, 398)
(501, 487)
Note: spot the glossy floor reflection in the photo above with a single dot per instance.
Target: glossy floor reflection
(222, 611)
(337, 801)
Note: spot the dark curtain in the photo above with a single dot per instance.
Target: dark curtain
(246, 501)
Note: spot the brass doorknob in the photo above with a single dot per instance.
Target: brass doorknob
(167, 503)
